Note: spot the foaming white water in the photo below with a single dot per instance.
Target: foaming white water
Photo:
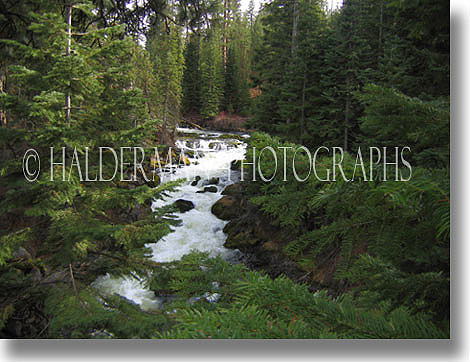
(200, 229)
(211, 159)
(129, 288)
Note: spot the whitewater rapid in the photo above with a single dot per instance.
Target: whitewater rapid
(210, 157)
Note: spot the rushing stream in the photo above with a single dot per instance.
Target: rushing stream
(211, 155)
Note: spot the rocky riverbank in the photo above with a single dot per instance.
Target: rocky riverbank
(252, 233)
(263, 244)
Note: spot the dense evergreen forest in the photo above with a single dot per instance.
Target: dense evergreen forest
(333, 259)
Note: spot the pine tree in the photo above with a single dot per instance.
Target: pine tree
(166, 49)
(192, 76)
(271, 60)
(143, 77)
(231, 85)
(250, 13)
(292, 36)
(211, 76)
(239, 67)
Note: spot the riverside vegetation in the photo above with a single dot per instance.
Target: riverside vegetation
(362, 259)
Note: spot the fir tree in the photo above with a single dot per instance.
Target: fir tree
(166, 49)
(211, 77)
(192, 76)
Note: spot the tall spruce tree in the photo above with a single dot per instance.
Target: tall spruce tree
(192, 75)
(211, 76)
(166, 49)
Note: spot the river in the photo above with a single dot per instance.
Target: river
(211, 154)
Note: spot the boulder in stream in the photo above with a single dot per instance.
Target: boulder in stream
(212, 181)
(195, 181)
(227, 208)
(183, 205)
(208, 189)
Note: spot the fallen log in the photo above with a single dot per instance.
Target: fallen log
(192, 124)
